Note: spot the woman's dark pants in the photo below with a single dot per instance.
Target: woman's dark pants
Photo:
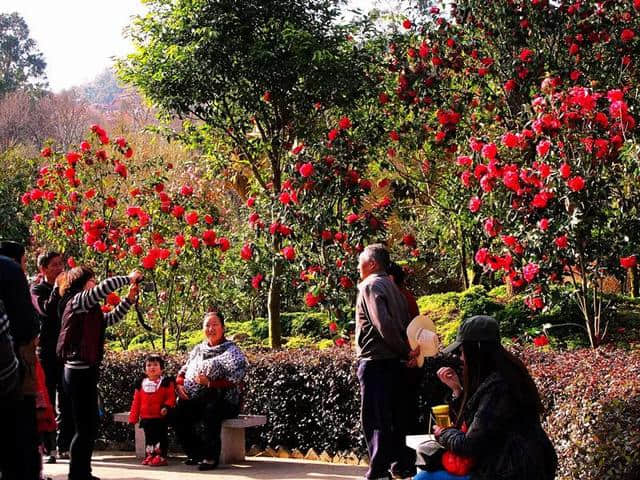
(198, 424)
(81, 390)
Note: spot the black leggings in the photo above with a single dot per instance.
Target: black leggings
(155, 434)
(81, 390)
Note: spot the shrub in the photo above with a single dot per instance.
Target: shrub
(311, 398)
(308, 324)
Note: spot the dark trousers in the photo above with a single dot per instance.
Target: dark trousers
(198, 424)
(382, 417)
(155, 434)
(19, 455)
(81, 388)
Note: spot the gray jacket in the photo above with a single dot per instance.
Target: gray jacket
(382, 316)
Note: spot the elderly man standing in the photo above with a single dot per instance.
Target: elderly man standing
(382, 348)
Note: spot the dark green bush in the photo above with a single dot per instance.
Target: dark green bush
(310, 324)
(475, 301)
(311, 398)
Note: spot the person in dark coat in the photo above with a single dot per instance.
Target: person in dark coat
(19, 456)
(497, 424)
(45, 297)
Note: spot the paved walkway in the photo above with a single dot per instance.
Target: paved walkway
(124, 466)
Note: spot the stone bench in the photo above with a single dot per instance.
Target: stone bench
(232, 435)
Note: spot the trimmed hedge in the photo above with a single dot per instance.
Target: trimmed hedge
(311, 398)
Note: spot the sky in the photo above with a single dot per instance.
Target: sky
(79, 38)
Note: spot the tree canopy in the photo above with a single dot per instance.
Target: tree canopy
(21, 61)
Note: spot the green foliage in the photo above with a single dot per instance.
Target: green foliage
(16, 174)
(22, 64)
(308, 324)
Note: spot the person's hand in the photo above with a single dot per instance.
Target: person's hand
(134, 289)
(449, 377)
(182, 393)
(164, 411)
(437, 430)
(414, 353)
(203, 380)
(135, 276)
(39, 278)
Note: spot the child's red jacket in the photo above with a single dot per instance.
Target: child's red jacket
(149, 404)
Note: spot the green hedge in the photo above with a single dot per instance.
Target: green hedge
(311, 399)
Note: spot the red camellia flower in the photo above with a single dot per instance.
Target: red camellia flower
(333, 327)
(344, 123)
(251, 202)
(345, 282)
(627, 35)
(543, 147)
(628, 262)
(576, 184)
(474, 204)
(326, 235)
(352, 218)
(177, 211)
(565, 170)
(464, 161)
(73, 157)
(482, 255)
(208, 219)
(45, 152)
(383, 98)
(121, 170)
(195, 242)
(85, 146)
(409, 240)
(246, 252)
(562, 241)
(394, 135)
(543, 224)
(333, 134)
(257, 280)
(492, 226)
(510, 85)
(525, 55)
(541, 340)
(266, 96)
(209, 238)
(530, 271)
(71, 262)
(285, 198)
(311, 300)
(407, 23)
(224, 244)
(489, 151)
(136, 250)
(149, 262)
(289, 253)
(306, 169)
(191, 218)
(113, 299)
(186, 190)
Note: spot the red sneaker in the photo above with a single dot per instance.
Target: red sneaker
(159, 461)
(148, 459)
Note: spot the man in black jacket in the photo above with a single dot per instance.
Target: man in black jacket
(45, 298)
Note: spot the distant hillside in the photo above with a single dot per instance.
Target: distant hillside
(102, 91)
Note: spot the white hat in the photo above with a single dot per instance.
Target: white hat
(422, 332)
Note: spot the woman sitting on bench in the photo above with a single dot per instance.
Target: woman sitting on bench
(208, 388)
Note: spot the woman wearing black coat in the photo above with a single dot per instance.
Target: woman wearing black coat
(497, 411)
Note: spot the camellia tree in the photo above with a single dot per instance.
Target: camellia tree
(252, 79)
(462, 82)
(106, 208)
(327, 211)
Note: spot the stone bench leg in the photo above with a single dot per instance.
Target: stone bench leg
(140, 446)
(232, 445)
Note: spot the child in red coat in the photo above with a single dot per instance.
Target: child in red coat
(154, 396)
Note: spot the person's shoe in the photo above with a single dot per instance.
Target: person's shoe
(50, 459)
(148, 459)
(191, 461)
(207, 465)
(159, 461)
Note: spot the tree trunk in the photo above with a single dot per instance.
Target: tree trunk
(273, 305)
(632, 275)
(463, 257)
